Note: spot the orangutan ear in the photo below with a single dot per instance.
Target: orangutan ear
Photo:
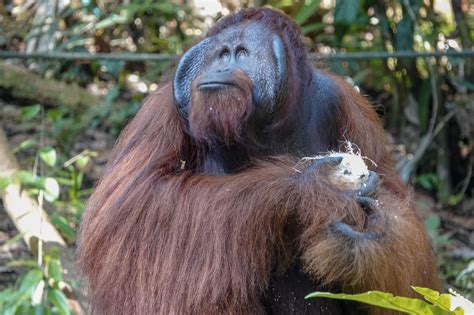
(189, 67)
(280, 58)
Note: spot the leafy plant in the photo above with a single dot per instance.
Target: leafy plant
(434, 303)
(466, 277)
(38, 291)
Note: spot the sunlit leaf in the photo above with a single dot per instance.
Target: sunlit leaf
(388, 301)
(51, 189)
(30, 280)
(29, 180)
(441, 300)
(48, 155)
(82, 162)
(112, 20)
(5, 181)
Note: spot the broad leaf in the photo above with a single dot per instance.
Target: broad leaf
(54, 269)
(387, 300)
(59, 300)
(51, 189)
(30, 280)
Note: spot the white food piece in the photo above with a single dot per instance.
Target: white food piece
(351, 173)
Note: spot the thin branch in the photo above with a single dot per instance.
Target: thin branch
(406, 167)
(140, 57)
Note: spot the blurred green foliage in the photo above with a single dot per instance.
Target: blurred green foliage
(38, 291)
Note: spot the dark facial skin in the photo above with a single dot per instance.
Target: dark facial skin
(215, 59)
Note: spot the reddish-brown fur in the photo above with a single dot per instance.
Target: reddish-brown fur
(222, 113)
(158, 237)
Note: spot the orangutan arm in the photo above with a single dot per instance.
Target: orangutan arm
(360, 243)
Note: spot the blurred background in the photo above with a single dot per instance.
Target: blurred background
(62, 107)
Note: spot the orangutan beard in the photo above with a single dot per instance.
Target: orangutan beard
(221, 115)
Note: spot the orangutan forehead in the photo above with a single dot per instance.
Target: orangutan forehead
(248, 30)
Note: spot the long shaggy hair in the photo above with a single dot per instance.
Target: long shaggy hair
(160, 237)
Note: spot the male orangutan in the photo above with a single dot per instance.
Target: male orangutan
(201, 210)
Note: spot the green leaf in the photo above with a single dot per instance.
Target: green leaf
(469, 270)
(112, 20)
(112, 94)
(346, 11)
(306, 11)
(82, 162)
(59, 300)
(30, 112)
(63, 226)
(5, 181)
(387, 300)
(313, 27)
(404, 34)
(113, 67)
(428, 181)
(30, 280)
(39, 310)
(12, 310)
(425, 182)
(360, 76)
(28, 263)
(29, 179)
(7, 295)
(455, 199)
(13, 239)
(48, 155)
(51, 189)
(25, 145)
(54, 269)
(432, 223)
(441, 300)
